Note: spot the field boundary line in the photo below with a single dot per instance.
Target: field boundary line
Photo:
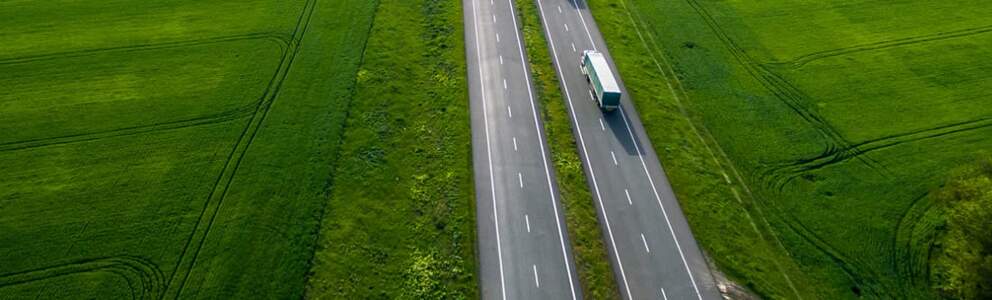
(225, 116)
(802, 60)
(277, 38)
(235, 157)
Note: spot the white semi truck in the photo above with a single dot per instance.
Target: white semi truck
(603, 84)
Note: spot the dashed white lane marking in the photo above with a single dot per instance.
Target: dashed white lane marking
(537, 281)
(527, 219)
(645, 243)
(591, 96)
(514, 143)
(504, 83)
(627, 193)
(520, 178)
(497, 37)
(601, 126)
(494, 18)
(614, 155)
(663, 295)
(566, 27)
(509, 111)
(489, 150)
(573, 47)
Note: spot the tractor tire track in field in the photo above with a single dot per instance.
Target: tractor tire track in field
(221, 117)
(784, 173)
(794, 98)
(911, 258)
(191, 250)
(143, 277)
(801, 61)
(280, 39)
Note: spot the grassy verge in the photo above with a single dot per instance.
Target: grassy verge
(400, 221)
(592, 263)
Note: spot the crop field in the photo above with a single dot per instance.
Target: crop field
(163, 149)
(832, 121)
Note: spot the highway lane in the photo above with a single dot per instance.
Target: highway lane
(652, 250)
(524, 251)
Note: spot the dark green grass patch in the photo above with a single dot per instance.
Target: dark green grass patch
(834, 120)
(400, 224)
(176, 149)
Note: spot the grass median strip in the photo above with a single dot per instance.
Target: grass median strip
(400, 222)
(592, 263)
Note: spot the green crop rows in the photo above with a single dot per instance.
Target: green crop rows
(163, 149)
(833, 120)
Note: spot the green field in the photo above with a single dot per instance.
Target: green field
(833, 120)
(163, 149)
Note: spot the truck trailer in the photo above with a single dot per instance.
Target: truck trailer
(602, 83)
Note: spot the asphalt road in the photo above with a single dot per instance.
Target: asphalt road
(652, 250)
(524, 251)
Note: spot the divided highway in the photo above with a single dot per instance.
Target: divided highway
(653, 252)
(524, 252)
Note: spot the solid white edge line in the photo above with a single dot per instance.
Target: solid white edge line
(664, 212)
(599, 197)
(583, 19)
(544, 159)
(489, 150)
(695, 287)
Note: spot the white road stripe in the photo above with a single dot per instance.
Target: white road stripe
(663, 211)
(663, 295)
(504, 83)
(566, 27)
(501, 59)
(645, 243)
(601, 126)
(537, 281)
(520, 177)
(592, 174)
(544, 158)
(559, 9)
(489, 152)
(527, 219)
(497, 37)
(514, 143)
(614, 155)
(494, 18)
(591, 96)
(509, 111)
(627, 193)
